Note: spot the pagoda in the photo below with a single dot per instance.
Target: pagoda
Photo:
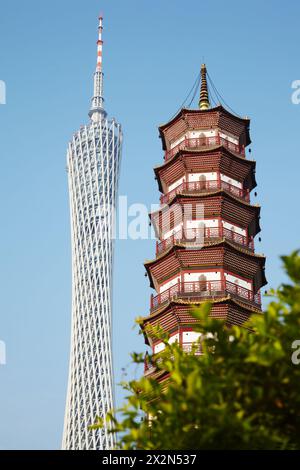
(205, 225)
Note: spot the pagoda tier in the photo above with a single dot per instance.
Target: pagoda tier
(175, 318)
(187, 162)
(220, 254)
(205, 225)
(217, 124)
(212, 271)
(217, 205)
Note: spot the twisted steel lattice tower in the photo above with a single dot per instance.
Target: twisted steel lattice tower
(93, 161)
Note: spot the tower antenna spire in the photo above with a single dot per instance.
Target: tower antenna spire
(204, 99)
(97, 111)
(99, 44)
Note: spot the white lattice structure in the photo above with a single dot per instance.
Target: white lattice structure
(93, 162)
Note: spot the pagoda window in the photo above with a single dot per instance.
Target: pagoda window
(202, 283)
(201, 229)
(202, 139)
(202, 181)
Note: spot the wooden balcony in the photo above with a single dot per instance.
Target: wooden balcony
(194, 237)
(205, 290)
(205, 142)
(205, 186)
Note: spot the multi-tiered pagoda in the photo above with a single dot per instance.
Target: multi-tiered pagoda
(205, 225)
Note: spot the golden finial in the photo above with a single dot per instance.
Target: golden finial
(204, 99)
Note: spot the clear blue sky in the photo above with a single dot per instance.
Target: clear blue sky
(152, 54)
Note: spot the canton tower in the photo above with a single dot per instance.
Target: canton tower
(93, 163)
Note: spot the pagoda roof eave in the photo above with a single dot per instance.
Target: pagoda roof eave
(205, 194)
(184, 111)
(182, 152)
(179, 244)
(178, 197)
(149, 263)
(224, 241)
(210, 149)
(166, 306)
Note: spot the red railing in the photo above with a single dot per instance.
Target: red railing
(204, 186)
(189, 347)
(199, 235)
(204, 142)
(204, 290)
(149, 366)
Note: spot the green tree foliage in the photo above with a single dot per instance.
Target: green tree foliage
(242, 393)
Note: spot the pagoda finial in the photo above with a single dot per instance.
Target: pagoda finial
(97, 111)
(204, 99)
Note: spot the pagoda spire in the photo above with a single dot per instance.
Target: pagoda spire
(204, 99)
(97, 111)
